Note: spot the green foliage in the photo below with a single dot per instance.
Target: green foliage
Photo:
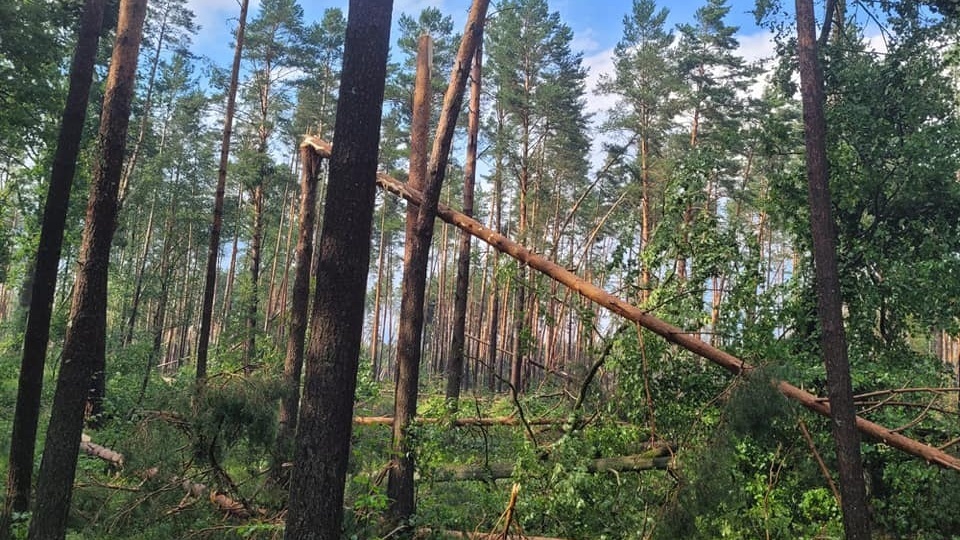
(238, 410)
(752, 479)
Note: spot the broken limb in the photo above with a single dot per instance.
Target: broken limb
(221, 501)
(673, 334)
(658, 458)
(460, 422)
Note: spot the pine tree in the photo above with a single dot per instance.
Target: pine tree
(85, 344)
(647, 83)
(273, 44)
(26, 417)
(315, 509)
(539, 133)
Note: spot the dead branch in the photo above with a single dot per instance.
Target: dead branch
(591, 373)
(874, 405)
(916, 390)
(101, 452)
(219, 500)
(823, 466)
(431, 533)
(669, 332)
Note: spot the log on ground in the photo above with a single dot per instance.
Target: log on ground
(495, 471)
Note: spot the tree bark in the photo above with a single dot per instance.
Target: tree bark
(856, 517)
(213, 250)
(455, 365)
(293, 362)
(23, 439)
(400, 485)
(315, 508)
(410, 333)
(673, 334)
(84, 347)
(253, 301)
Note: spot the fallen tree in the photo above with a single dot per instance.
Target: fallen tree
(496, 471)
(673, 334)
(461, 422)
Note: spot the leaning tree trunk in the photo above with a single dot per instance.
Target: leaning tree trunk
(30, 385)
(688, 340)
(213, 250)
(455, 365)
(856, 518)
(315, 507)
(85, 344)
(400, 484)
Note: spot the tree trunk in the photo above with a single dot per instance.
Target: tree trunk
(293, 362)
(856, 517)
(455, 365)
(131, 162)
(227, 303)
(213, 250)
(160, 312)
(253, 301)
(410, 334)
(378, 294)
(271, 283)
(138, 280)
(30, 385)
(400, 485)
(315, 508)
(84, 347)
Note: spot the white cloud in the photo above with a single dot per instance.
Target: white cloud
(218, 17)
(877, 43)
(755, 47)
(585, 41)
(598, 65)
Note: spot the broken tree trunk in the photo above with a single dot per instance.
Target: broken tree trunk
(673, 334)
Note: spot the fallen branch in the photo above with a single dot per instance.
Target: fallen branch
(432, 533)
(460, 422)
(655, 459)
(102, 452)
(673, 334)
(221, 501)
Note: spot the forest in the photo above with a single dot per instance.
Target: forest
(431, 275)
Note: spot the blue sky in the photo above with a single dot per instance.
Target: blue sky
(597, 26)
